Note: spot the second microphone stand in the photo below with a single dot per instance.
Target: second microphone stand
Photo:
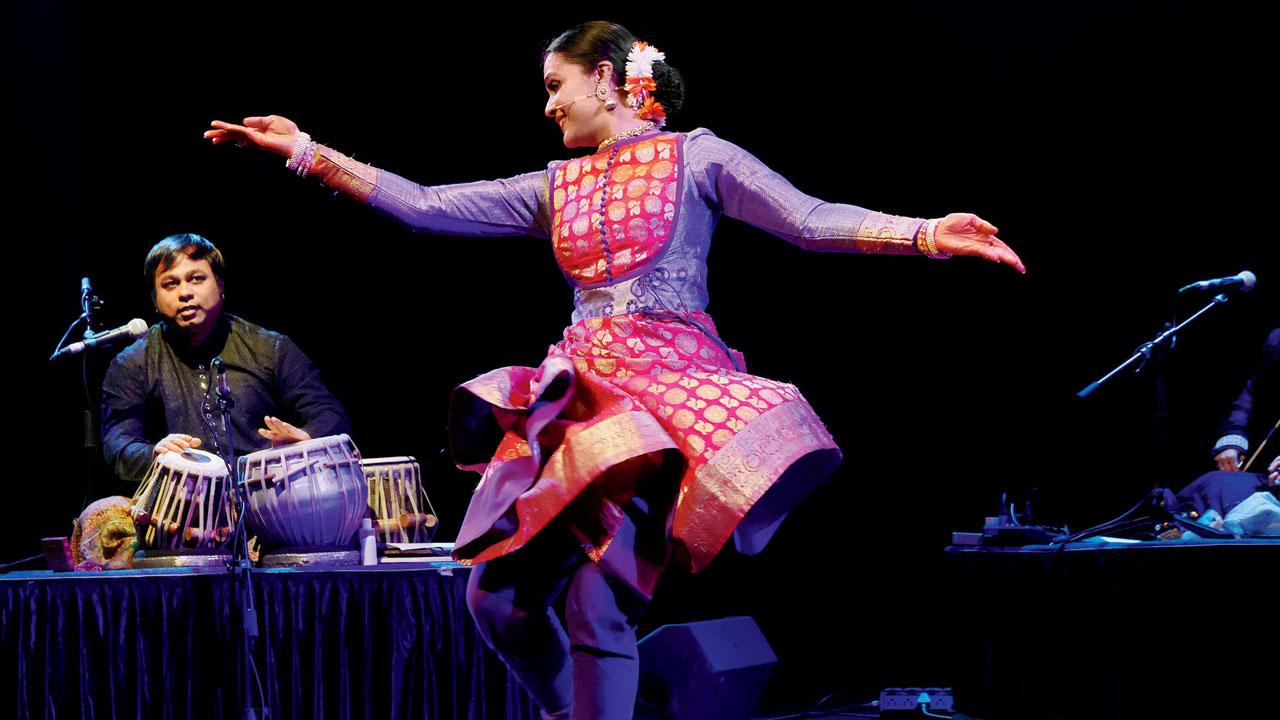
(1153, 353)
(239, 563)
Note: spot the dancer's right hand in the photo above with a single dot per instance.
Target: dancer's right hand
(272, 133)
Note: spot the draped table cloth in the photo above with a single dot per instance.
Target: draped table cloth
(384, 642)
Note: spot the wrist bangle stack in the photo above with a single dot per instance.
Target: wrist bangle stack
(304, 155)
(926, 241)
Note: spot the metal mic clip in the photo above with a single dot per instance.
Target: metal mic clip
(223, 390)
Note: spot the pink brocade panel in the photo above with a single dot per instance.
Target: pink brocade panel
(613, 211)
(638, 386)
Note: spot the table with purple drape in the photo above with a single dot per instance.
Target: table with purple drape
(348, 643)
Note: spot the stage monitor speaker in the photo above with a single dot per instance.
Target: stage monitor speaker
(710, 670)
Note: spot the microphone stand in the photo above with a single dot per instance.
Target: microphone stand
(89, 304)
(239, 564)
(90, 446)
(1258, 452)
(1154, 353)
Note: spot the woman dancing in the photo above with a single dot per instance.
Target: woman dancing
(641, 440)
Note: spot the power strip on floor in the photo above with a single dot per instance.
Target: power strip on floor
(938, 699)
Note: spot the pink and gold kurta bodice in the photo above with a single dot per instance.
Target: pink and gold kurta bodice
(612, 212)
(630, 225)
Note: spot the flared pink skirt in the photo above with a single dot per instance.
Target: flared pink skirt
(627, 405)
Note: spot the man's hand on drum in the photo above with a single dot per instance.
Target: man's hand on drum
(271, 133)
(1273, 472)
(175, 442)
(968, 234)
(280, 432)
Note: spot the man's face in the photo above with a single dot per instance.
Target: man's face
(189, 296)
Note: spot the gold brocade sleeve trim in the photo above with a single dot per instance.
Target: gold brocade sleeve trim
(344, 174)
(881, 234)
(714, 502)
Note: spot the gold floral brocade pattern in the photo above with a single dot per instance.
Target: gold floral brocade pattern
(613, 211)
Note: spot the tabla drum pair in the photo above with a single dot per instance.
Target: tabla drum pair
(304, 502)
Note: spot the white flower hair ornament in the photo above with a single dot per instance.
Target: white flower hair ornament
(640, 83)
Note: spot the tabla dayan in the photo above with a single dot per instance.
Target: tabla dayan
(183, 509)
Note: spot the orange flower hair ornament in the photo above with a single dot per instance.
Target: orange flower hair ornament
(640, 83)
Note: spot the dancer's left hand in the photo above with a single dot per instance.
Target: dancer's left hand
(968, 234)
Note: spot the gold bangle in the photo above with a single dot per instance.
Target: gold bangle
(927, 243)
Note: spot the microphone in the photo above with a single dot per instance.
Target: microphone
(1245, 281)
(562, 106)
(88, 303)
(136, 328)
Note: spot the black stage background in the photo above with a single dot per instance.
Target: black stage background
(1115, 144)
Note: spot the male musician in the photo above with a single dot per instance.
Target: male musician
(1258, 406)
(161, 392)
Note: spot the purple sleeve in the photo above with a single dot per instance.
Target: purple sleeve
(513, 206)
(744, 188)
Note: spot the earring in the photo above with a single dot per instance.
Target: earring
(606, 97)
